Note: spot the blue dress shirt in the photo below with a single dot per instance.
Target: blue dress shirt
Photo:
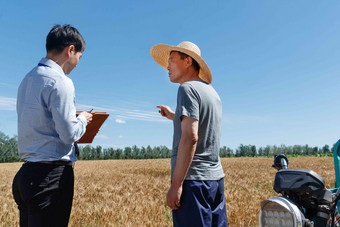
(47, 122)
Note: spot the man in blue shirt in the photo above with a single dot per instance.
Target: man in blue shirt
(196, 194)
(47, 131)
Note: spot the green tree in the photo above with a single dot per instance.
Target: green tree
(165, 152)
(135, 152)
(143, 153)
(230, 152)
(223, 152)
(98, 153)
(8, 148)
(326, 150)
(267, 151)
(149, 152)
(127, 153)
(85, 152)
(253, 150)
(297, 149)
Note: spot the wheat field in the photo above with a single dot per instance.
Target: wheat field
(132, 192)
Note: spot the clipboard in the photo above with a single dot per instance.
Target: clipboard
(98, 118)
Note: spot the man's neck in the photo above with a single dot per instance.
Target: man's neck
(190, 76)
(57, 58)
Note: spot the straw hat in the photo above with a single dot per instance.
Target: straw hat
(161, 53)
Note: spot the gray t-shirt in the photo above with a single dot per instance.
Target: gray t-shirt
(199, 100)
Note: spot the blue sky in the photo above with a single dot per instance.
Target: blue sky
(275, 64)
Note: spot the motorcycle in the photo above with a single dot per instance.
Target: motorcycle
(305, 201)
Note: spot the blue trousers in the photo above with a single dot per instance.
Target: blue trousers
(202, 204)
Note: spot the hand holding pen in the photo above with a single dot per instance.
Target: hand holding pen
(87, 115)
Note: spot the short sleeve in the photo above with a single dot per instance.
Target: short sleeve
(188, 101)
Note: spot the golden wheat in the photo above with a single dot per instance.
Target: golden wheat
(132, 192)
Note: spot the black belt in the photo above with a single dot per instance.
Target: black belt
(57, 162)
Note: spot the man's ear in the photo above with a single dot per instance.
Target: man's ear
(68, 50)
(189, 61)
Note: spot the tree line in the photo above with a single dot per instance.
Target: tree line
(270, 151)
(9, 151)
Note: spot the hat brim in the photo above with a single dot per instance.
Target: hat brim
(161, 53)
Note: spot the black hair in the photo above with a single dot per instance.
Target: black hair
(62, 36)
(184, 56)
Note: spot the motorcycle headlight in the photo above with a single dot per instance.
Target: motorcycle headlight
(280, 211)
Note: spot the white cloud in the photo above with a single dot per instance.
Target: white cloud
(7, 103)
(120, 137)
(122, 113)
(142, 115)
(119, 121)
(8, 85)
(83, 107)
(102, 137)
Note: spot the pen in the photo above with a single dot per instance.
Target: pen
(90, 110)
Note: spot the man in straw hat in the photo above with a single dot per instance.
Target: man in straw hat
(196, 195)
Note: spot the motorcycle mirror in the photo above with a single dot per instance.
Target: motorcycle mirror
(280, 162)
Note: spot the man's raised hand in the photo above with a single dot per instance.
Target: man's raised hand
(165, 111)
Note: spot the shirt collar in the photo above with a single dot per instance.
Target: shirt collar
(200, 80)
(52, 64)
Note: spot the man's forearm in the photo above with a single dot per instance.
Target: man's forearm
(185, 154)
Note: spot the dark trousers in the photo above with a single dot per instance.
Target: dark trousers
(202, 204)
(44, 194)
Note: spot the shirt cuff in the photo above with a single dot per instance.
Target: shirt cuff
(82, 119)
